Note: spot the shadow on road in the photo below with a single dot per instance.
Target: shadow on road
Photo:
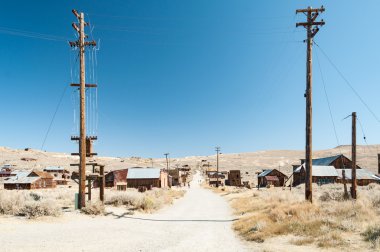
(126, 215)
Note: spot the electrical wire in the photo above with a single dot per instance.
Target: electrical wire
(348, 83)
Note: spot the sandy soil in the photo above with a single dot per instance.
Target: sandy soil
(200, 221)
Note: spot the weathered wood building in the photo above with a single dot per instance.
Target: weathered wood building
(271, 177)
(30, 180)
(117, 177)
(234, 178)
(320, 175)
(147, 177)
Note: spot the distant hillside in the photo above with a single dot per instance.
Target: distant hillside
(248, 163)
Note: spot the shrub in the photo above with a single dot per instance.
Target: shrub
(33, 209)
(96, 208)
(372, 234)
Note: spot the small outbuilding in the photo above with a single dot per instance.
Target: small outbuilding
(271, 177)
(23, 180)
(117, 177)
(338, 161)
(234, 178)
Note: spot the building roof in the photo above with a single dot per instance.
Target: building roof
(143, 173)
(54, 168)
(265, 172)
(360, 174)
(271, 178)
(41, 174)
(21, 177)
(320, 171)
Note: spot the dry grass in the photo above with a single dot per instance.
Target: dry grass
(275, 212)
(148, 201)
(30, 204)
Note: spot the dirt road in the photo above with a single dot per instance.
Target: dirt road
(200, 221)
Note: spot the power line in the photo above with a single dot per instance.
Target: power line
(30, 34)
(52, 119)
(348, 83)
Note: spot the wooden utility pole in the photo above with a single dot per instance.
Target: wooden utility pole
(217, 149)
(378, 163)
(167, 165)
(312, 28)
(81, 44)
(353, 169)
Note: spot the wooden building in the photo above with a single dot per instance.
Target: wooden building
(320, 175)
(179, 175)
(30, 180)
(363, 177)
(271, 177)
(214, 177)
(234, 178)
(338, 161)
(147, 177)
(113, 178)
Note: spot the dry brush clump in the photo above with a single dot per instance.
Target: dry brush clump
(31, 204)
(147, 201)
(275, 212)
(94, 208)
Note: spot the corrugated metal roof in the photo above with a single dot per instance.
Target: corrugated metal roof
(143, 173)
(21, 178)
(321, 171)
(360, 174)
(264, 173)
(326, 161)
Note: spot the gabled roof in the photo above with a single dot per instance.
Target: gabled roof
(265, 173)
(143, 173)
(21, 177)
(41, 174)
(320, 171)
(360, 174)
(326, 161)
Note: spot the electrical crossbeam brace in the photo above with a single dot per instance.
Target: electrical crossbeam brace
(86, 43)
(77, 138)
(312, 15)
(89, 164)
(86, 85)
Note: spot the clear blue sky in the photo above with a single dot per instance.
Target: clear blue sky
(185, 76)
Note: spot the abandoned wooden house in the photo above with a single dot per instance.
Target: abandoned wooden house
(338, 161)
(147, 177)
(23, 180)
(117, 177)
(363, 177)
(271, 177)
(320, 175)
(234, 178)
(179, 176)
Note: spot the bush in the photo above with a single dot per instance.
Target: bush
(96, 208)
(372, 234)
(33, 210)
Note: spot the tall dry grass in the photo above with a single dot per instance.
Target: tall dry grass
(274, 212)
(148, 201)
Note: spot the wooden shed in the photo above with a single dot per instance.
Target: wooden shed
(320, 175)
(30, 180)
(113, 178)
(147, 177)
(271, 177)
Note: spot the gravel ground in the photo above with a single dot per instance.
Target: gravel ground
(200, 221)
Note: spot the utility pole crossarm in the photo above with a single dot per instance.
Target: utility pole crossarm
(317, 10)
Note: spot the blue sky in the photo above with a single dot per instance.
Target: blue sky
(185, 76)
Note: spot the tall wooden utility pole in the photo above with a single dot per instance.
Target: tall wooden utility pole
(81, 44)
(353, 171)
(312, 28)
(217, 149)
(167, 165)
